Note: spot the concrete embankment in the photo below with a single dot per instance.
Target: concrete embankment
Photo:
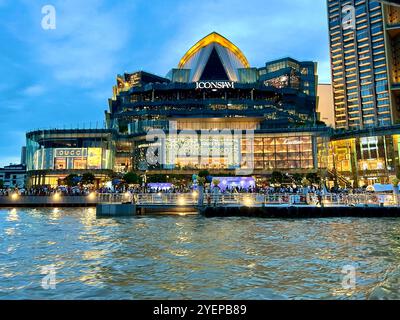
(126, 210)
(115, 210)
(302, 212)
(279, 212)
(37, 202)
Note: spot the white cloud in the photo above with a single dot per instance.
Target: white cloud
(35, 90)
(88, 41)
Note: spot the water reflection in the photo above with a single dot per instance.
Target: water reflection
(192, 257)
(13, 216)
(55, 214)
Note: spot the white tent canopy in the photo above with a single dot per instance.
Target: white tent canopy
(383, 187)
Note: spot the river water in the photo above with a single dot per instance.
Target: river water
(176, 257)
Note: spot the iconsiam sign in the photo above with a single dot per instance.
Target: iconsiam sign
(215, 85)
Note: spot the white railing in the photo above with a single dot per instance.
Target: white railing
(360, 199)
(191, 199)
(188, 199)
(249, 199)
(112, 198)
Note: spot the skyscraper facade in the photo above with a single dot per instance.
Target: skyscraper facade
(365, 59)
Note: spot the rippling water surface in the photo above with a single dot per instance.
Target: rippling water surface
(174, 257)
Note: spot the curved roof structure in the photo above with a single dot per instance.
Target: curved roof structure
(214, 53)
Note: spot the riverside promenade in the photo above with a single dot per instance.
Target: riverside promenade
(222, 205)
(17, 201)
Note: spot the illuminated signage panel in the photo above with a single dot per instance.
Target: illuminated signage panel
(71, 153)
(215, 85)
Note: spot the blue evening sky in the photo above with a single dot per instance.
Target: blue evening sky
(63, 77)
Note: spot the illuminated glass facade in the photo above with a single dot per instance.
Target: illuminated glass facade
(280, 94)
(53, 154)
(205, 109)
(286, 150)
(364, 46)
(214, 88)
(362, 157)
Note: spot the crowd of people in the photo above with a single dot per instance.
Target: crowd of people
(42, 191)
(178, 189)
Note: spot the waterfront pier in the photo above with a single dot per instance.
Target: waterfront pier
(222, 205)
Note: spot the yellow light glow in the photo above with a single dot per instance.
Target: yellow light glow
(13, 215)
(214, 38)
(182, 214)
(127, 195)
(181, 201)
(92, 196)
(56, 196)
(15, 196)
(195, 194)
(248, 202)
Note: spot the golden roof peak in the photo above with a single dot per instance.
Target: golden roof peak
(214, 37)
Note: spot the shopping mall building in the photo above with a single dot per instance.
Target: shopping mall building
(216, 112)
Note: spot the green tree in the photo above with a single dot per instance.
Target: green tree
(297, 177)
(305, 182)
(201, 181)
(157, 178)
(113, 175)
(132, 178)
(71, 180)
(1, 184)
(204, 174)
(277, 177)
(313, 178)
(88, 178)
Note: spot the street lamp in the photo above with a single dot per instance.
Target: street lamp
(334, 170)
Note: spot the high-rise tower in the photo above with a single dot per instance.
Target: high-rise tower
(365, 61)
